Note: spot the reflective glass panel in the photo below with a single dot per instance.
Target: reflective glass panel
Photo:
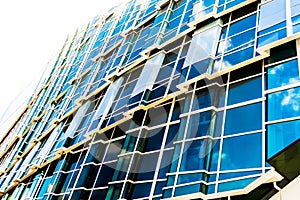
(283, 74)
(243, 119)
(284, 104)
(242, 152)
(239, 92)
(281, 135)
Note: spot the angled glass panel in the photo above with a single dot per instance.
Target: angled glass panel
(149, 74)
(107, 100)
(204, 43)
(77, 119)
(271, 13)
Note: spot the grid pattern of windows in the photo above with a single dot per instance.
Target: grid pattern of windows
(162, 99)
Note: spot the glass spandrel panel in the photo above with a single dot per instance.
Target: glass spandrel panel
(284, 104)
(243, 119)
(283, 74)
(242, 152)
(149, 74)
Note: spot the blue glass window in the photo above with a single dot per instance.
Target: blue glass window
(283, 74)
(240, 39)
(151, 140)
(193, 156)
(187, 189)
(243, 24)
(114, 150)
(139, 190)
(105, 174)
(198, 153)
(243, 119)
(188, 178)
(242, 152)
(237, 57)
(272, 37)
(144, 166)
(239, 92)
(281, 135)
(234, 185)
(199, 124)
(284, 104)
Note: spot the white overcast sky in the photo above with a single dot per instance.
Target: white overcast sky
(31, 32)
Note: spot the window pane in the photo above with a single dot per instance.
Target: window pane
(239, 40)
(193, 156)
(199, 124)
(105, 175)
(114, 150)
(234, 185)
(243, 119)
(241, 25)
(281, 135)
(203, 44)
(242, 152)
(284, 104)
(197, 154)
(144, 166)
(283, 74)
(271, 13)
(187, 189)
(239, 92)
(149, 74)
(237, 57)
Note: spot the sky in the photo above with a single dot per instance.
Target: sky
(32, 32)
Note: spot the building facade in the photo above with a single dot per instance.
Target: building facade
(165, 99)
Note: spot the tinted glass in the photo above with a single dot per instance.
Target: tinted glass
(239, 92)
(242, 152)
(283, 74)
(284, 104)
(281, 135)
(243, 119)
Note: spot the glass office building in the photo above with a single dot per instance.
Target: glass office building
(164, 99)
